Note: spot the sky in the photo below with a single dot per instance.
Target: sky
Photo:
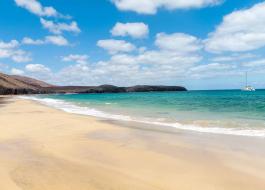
(199, 44)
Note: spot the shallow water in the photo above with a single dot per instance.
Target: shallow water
(228, 111)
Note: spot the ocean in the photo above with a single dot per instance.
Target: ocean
(230, 112)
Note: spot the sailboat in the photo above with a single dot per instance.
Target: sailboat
(248, 87)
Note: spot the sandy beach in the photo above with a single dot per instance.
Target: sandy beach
(46, 149)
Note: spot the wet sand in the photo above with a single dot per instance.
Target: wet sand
(45, 149)
(4, 100)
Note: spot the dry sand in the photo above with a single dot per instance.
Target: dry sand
(46, 149)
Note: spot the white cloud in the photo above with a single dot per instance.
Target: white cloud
(147, 67)
(178, 42)
(123, 59)
(233, 57)
(81, 59)
(135, 30)
(9, 45)
(20, 56)
(10, 50)
(3, 66)
(15, 71)
(115, 46)
(30, 41)
(151, 6)
(255, 63)
(55, 40)
(41, 72)
(36, 8)
(239, 31)
(37, 68)
(212, 70)
(167, 58)
(210, 66)
(124, 70)
(164, 64)
(5, 53)
(58, 28)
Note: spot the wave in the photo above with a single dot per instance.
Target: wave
(73, 108)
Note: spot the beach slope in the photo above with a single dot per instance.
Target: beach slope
(46, 149)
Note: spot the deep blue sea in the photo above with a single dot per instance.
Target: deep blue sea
(231, 112)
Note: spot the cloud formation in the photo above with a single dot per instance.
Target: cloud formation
(179, 42)
(37, 68)
(30, 41)
(59, 28)
(170, 57)
(80, 59)
(233, 57)
(36, 8)
(151, 6)
(116, 46)
(10, 50)
(153, 66)
(15, 71)
(135, 30)
(242, 30)
(212, 70)
(9, 45)
(254, 63)
(55, 40)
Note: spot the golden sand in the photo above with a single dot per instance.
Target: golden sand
(45, 149)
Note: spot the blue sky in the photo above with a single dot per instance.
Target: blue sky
(201, 44)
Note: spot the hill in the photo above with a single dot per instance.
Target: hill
(14, 84)
(31, 81)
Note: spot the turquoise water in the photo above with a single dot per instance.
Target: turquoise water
(217, 110)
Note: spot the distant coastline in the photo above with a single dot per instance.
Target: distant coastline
(13, 84)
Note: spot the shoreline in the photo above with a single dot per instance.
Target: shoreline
(79, 110)
(45, 148)
(4, 100)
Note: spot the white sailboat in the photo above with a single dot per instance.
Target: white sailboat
(248, 87)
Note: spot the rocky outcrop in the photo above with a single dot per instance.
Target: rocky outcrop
(10, 84)
(16, 91)
(146, 88)
(114, 89)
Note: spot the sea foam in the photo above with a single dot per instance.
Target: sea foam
(76, 109)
